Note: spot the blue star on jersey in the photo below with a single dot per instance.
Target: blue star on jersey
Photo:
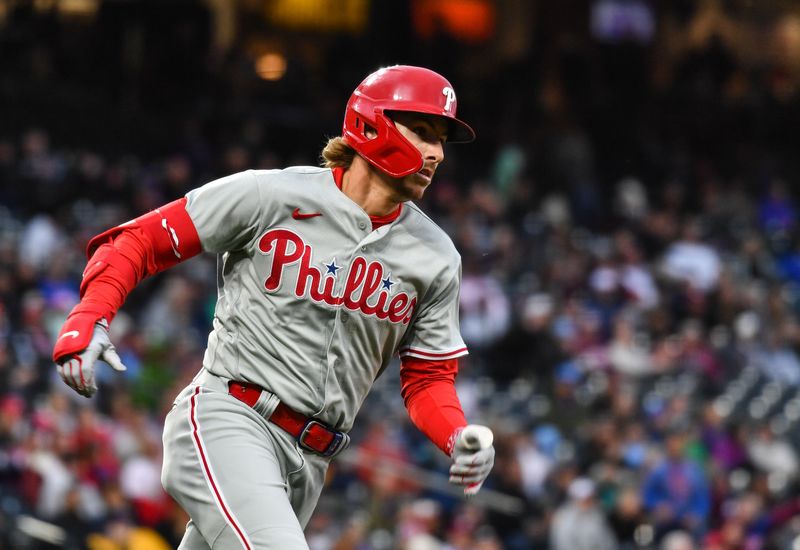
(332, 267)
(388, 282)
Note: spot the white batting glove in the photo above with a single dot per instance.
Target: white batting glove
(77, 370)
(473, 458)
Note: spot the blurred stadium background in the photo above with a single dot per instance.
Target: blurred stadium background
(627, 219)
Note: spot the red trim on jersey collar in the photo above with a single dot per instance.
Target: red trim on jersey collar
(380, 221)
(377, 221)
(338, 175)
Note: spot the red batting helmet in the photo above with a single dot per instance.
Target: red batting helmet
(399, 88)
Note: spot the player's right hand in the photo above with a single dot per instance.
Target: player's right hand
(77, 368)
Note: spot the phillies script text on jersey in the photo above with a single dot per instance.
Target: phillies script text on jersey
(363, 279)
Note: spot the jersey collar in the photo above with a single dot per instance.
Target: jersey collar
(377, 221)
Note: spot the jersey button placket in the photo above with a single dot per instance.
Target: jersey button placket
(362, 225)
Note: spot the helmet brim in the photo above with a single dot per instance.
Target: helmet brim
(458, 131)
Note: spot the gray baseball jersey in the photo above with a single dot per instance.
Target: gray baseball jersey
(312, 302)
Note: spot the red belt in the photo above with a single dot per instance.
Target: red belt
(310, 434)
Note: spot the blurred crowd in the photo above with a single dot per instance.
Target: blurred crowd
(630, 298)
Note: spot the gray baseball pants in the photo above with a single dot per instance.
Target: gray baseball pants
(242, 480)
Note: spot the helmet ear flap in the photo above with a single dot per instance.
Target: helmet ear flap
(388, 151)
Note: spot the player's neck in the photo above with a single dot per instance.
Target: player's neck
(370, 189)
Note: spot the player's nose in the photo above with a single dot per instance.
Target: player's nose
(435, 152)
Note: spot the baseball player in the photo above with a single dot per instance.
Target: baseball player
(325, 275)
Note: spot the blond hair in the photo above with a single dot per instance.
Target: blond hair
(337, 153)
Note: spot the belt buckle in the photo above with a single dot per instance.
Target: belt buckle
(332, 447)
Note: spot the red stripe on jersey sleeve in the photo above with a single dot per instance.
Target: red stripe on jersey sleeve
(433, 355)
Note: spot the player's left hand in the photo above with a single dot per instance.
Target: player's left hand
(473, 458)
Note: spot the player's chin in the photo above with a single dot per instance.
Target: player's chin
(414, 186)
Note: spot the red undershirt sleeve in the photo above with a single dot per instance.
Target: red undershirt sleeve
(119, 259)
(109, 288)
(429, 393)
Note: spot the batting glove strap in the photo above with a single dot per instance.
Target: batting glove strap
(77, 331)
(77, 369)
(450, 446)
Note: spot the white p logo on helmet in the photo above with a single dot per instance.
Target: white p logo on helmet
(451, 97)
